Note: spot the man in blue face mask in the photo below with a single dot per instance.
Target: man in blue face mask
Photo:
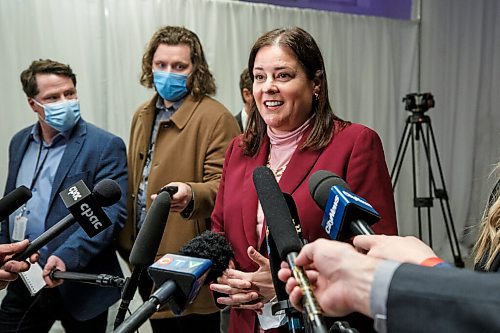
(48, 157)
(178, 138)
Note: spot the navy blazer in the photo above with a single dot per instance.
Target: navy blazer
(91, 155)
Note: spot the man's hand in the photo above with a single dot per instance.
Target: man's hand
(10, 269)
(341, 277)
(53, 262)
(407, 249)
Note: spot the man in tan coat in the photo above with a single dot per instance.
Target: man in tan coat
(178, 138)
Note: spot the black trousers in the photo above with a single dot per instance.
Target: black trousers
(21, 312)
(206, 323)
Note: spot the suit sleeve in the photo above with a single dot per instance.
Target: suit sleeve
(224, 131)
(430, 299)
(368, 177)
(80, 249)
(4, 225)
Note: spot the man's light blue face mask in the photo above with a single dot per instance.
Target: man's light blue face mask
(171, 86)
(61, 116)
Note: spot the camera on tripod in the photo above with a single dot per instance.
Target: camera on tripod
(418, 102)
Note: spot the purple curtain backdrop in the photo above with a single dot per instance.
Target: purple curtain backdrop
(396, 9)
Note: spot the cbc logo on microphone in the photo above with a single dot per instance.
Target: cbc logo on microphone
(75, 194)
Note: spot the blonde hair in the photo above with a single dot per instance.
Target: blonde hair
(488, 242)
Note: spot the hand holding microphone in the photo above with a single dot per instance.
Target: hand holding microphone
(181, 195)
(53, 263)
(288, 243)
(85, 208)
(10, 269)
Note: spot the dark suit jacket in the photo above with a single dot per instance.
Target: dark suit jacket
(91, 155)
(238, 119)
(355, 154)
(427, 299)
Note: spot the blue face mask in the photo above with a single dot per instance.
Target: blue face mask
(170, 86)
(61, 116)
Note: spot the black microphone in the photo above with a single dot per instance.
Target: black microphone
(144, 249)
(13, 200)
(346, 214)
(180, 277)
(294, 317)
(101, 280)
(288, 243)
(292, 207)
(85, 208)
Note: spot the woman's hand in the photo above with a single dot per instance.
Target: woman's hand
(246, 290)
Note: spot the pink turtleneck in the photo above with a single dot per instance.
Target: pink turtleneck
(282, 147)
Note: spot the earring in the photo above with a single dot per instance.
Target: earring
(316, 96)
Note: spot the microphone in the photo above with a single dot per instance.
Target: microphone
(292, 207)
(13, 200)
(144, 249)
(180, 277)
(288, 243)
(101, 280)
(294, 317)
(341, 207)
(85, 208)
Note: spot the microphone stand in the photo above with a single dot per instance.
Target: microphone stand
(342, 327)
(128, 293)
(146, 310)
(101, 280)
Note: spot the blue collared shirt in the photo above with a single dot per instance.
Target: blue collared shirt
(163, 114)
(45, 157)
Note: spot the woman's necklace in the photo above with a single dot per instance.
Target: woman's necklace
(278, 172)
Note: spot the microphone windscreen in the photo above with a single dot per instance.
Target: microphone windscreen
(213, 246)
(276, 212)
(148, 240)
(320, 184)
(107, 192)
(13, 200)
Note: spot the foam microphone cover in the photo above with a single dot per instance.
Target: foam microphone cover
(276, 212)
(213, 246)
(14, 200)
(107, 192)
(148, 240)
(320, 184)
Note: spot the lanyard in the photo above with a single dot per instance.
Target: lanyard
(36, 172)
(38, 169)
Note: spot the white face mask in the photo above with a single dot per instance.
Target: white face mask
(267, 320)
(61, 116)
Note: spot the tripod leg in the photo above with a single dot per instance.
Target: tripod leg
(414, 134)
(429, 185)
(403, 145)
(442, 195)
